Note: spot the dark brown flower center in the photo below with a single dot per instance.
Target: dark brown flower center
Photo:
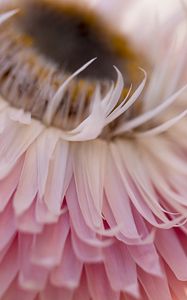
(44, 44)
(70, 37)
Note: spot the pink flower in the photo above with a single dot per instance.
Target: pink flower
(92, 172)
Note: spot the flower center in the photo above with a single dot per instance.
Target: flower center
(44, 44)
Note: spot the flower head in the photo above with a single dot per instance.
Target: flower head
(92, 157)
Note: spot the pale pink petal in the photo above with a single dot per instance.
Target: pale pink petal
(138, 171)
(82, 230)
(175, 200)
(94, 159)
(130, 187)
(28, 185)
(68, 273)
(84, 191)
(27, 221)
(43, 214)
(137, 195)
(145, 255)
(58, 178)
(111, 222)
(119, 201)
(45, 147)
(85, 252)
(14, 141)
(47, 251)
(8, 184)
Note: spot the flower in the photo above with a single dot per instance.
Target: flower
(92, 192)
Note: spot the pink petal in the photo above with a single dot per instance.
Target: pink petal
(143, 296)
(178, 287)
(7, 226)
(82, 293)
(109, 218)
(98, 284)
(9, 268)
(155, 287)
(172, 251)
(31, 277)
(85, 252)
(48, 246)
(27, 221)
(121, 269)
(54, 293)
(68, 273)
(14, 292)
(145, 255)
(5, 249)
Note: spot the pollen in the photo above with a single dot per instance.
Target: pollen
(45, 43)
